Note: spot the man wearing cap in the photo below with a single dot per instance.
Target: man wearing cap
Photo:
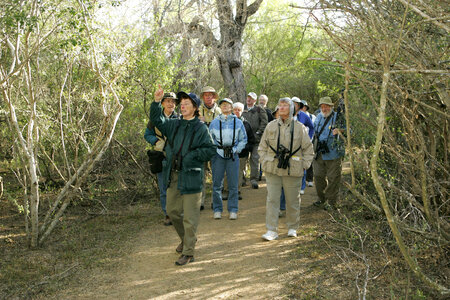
(208, 110)
(257, 117)
(329, 153)
(154, 137)
(228, 133)
(188, 147)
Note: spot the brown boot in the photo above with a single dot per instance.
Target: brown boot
(179, 249)
(167, 221)
(184, 259)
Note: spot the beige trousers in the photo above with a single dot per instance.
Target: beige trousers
(184, 211)
(291, 186)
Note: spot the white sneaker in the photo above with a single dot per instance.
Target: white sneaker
(270, 235)
(302, 192)
(310, 183)
(292, 233)
(217, 215)
(233, 216)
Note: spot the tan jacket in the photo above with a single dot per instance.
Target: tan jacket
(209, 113)
(298, 162)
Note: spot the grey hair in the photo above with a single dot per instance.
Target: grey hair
(291, 104)
(238, 105)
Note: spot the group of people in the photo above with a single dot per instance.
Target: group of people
(221, 135)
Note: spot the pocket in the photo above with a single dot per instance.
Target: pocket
(267, 164)
(296, 165)
(193, 180)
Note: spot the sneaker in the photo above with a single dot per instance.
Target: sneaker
(282, 214)
(310, 183)
(254, 184)
(302, 192)
(233, 216)
(292, 233)
(179, 248)
(270, 235)
(184, 259)
(217, 215)
(167, 221)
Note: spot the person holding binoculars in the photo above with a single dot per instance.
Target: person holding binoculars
(329, 150)
(285, 152)
(228, 133)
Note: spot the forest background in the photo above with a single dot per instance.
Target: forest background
(77, 79)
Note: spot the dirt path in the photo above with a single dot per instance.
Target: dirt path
(232, 261)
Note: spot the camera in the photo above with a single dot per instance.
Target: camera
(283, 157)
(228, 152)
(322, 147)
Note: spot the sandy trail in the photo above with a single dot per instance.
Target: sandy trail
(231, 260)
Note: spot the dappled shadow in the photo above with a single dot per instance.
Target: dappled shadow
(232, 260)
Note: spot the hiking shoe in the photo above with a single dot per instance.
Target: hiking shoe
(224, 197)
(318, 203)
(282, 214)
(184, 259)
(270, 235)
(233, 216)
(239, 197)
(310, 183)
(292, 233)
(302, 192)
(217, 215)
(167, 221)
(254, 184)
(179, 248)
(202, 207)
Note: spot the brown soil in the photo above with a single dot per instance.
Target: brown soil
(231, 260)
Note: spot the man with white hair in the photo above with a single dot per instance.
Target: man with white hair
(257, 117)
(263, 99)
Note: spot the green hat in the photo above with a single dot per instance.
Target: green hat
(326, 100)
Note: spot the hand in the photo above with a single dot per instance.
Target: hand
(336, 131)
(202, 118)
(159, 94)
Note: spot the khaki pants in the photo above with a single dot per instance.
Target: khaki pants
(204, 182)
(291, 186)
(184, 211)
(327, 176)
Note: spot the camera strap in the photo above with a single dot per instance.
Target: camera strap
(324, 124)
(234, 133)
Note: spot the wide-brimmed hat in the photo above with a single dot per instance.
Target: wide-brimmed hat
(252, 95)
(170, 95)
(193, 97)
(326, 100)
(225, 100)
(296, 100)
(209, 89)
